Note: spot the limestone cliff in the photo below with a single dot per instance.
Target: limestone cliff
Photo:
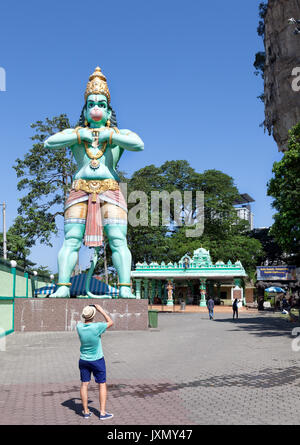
(282, 47)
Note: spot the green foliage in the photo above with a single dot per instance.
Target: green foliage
(260, 57)
(272, 252)
(259, 63)
(225, 235)
(263, 7)
(17, 248)
(284, 187)
(43, 271)
(45, 176)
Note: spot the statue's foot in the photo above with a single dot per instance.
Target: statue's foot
(125, 292)
(98, 296)
(62, 292)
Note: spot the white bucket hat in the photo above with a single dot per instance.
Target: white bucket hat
(88, 312)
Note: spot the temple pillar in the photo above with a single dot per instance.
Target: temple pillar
(203, 292)
(146, 286)
(138, 283)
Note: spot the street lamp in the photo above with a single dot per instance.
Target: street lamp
(4, 231)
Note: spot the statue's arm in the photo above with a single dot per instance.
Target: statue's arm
(62, 139)
(128, 140)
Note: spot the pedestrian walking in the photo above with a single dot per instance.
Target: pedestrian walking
(91, 357)
(210, 307)
(286, 307)
(235, 308)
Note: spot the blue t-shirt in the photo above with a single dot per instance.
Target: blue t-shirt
(90, 339)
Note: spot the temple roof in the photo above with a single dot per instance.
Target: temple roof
(199, 265)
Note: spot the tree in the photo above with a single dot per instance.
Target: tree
(43, 270)
(46, 178)
(284, 187)
(17, 247)
(272, 253)
(146, 241)
(260, 56)
(224, 234)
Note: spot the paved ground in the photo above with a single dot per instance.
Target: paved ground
(189, 371)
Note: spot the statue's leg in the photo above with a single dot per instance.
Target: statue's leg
(68, 254)
(121, 256)
(115, 227)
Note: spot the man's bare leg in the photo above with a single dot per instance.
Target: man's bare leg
(84, 396)
(102, 397)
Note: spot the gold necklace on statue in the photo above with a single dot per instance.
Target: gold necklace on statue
(95, 163)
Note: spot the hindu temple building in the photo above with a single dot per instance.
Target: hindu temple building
(192, 280)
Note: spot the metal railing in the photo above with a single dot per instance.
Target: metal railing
(7, 312)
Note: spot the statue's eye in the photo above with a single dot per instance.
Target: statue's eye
(90, 105)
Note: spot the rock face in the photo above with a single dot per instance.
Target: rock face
(282, 46)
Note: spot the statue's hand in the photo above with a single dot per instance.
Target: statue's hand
(86, 135)
(104, 136)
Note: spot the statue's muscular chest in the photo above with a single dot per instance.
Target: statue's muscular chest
(86, 170)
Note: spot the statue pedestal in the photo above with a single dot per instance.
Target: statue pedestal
(63, 314)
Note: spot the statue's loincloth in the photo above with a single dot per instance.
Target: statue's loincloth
(95, 193)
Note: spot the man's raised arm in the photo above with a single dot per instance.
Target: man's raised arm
(105, 315)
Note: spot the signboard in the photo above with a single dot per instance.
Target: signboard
(269, 273)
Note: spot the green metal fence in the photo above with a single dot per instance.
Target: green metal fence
(15, 283)
(7, 308)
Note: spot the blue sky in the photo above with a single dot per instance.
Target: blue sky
(180, 75)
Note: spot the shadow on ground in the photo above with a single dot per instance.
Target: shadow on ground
(265, 378)
(262, 326)
(75, 405)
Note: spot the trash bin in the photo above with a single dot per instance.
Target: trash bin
(152, 318)
(182, 306)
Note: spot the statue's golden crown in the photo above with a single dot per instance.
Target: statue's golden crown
(97, 85)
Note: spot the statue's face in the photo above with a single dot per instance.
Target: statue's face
(97, 110)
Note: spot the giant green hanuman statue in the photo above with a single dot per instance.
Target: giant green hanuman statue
(95, 202)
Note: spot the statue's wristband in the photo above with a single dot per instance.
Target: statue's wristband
(78, 136)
